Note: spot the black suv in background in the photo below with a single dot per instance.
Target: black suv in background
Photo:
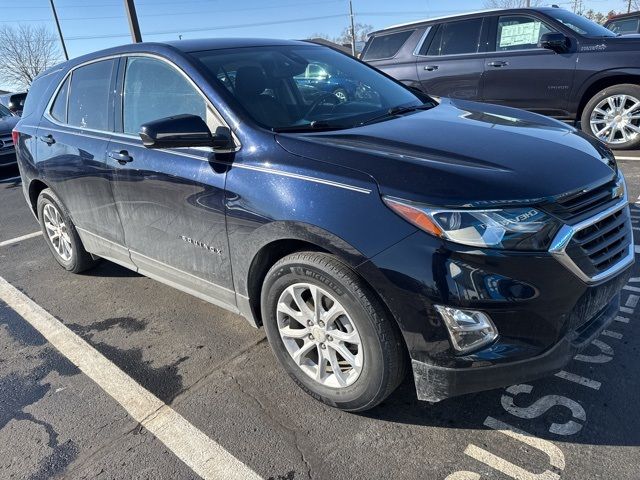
(624, 24)
(14, 101)
(546, 60)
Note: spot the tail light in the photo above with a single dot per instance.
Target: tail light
(15, 135)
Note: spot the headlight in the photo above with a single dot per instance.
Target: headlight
(511, 228)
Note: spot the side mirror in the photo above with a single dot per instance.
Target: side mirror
(558, 42)
(183, 131)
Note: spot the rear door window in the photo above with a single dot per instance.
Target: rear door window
(456, 38)
(59, 108)
(88, 105)
(386, 46)
(518, 32)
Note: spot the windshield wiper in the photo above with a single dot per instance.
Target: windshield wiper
(316, 125)
(395, 111)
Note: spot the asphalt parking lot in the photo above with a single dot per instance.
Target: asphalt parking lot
(164, 385)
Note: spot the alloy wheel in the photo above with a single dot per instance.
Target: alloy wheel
(616, 119)
(319, 335)
(57, 231)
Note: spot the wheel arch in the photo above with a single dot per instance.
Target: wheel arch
(36, 186)
(608, 80)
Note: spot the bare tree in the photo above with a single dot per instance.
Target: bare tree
(25, 51)
(511, 3)
(362, 30)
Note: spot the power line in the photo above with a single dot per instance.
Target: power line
(208, 29)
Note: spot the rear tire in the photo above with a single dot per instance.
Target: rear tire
(60, 234)
(363, 364)
(613, 116)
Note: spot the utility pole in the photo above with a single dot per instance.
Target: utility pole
(55, 17)
(133, 21)
(353, 30)
(528, 3)
(629, 7)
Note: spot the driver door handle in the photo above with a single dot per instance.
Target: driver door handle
(498, 63)
(430, 68)
(121, 156)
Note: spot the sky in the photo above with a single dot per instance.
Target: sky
(90, 25)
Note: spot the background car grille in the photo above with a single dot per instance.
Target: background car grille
(584, 204)
(603, 244)
(8, 143)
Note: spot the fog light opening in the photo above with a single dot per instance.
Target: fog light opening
(468, 329)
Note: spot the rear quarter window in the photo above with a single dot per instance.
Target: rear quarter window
(386, 45)
(40, 92)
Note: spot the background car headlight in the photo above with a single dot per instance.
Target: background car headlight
(510, 228)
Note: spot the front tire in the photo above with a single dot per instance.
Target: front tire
(60, 234)
(613, 116)
(330, 332)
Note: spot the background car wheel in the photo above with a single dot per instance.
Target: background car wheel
(613, 116)
(330, 332)
(61, 235)
(341, 94)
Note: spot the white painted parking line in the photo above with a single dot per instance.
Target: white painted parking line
(622, 319)
(203, 455)
(627, 158)
(609, 333)
(572, 377)
(19, 239)
(626, 310)
(631, 289)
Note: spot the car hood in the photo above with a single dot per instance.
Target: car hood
(464, 153)
(7, 123)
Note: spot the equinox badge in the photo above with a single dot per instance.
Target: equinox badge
(197, 243)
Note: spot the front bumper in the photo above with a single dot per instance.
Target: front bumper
(434, 383)
(544, 313)
(8, 158)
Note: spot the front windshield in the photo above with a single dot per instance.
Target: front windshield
(305, 86)
(579, 24)
(4, 111)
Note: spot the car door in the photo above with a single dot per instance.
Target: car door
(521, 74)
(171, 201)
(450, 61)
(73, 136)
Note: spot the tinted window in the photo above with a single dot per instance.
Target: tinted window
(59, 108)
(153, 90)
(519, 32)
(456, 38)
(269, 84)
(624, 27)
(386, 46)
(578, 23)
(89, 96)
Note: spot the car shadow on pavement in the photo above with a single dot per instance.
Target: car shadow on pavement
(609, 421)
(109, 269)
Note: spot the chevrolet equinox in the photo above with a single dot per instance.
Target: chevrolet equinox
(477, 245)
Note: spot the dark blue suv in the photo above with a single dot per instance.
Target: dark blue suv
(476, 244)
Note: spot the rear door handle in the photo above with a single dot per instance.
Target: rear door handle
(498, 64)
(48, 139)
(121, 156)
(430, 68)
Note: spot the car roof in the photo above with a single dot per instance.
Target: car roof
(622, 16)
(167, 48)
(427, 21)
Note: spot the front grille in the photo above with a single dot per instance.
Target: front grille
(584, 204)
(7, 143)
(601, 245)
